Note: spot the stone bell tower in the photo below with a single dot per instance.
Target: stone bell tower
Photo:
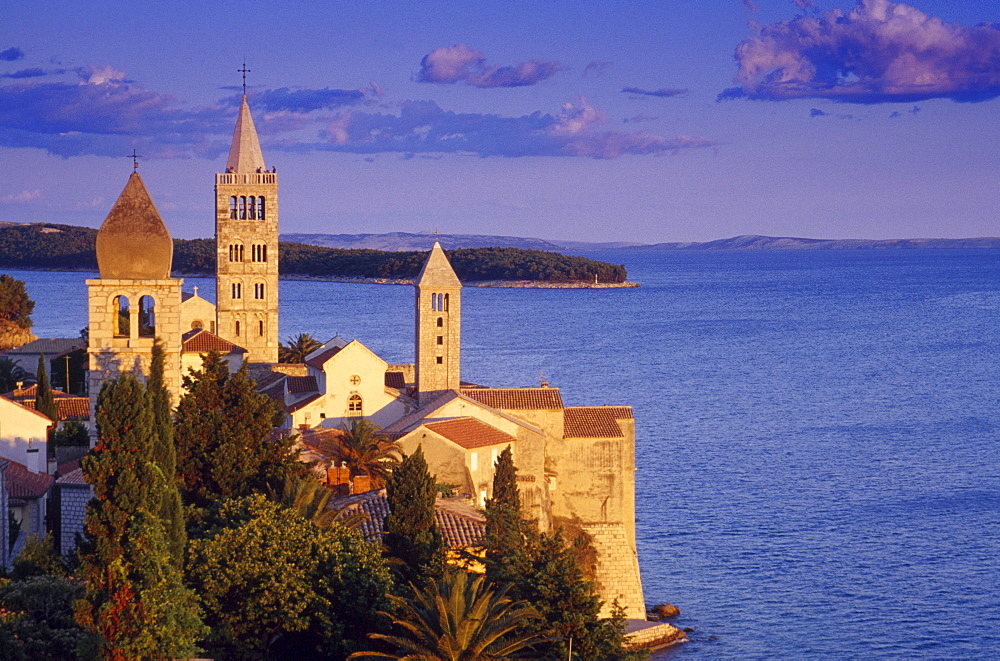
(135, 300)
(246, 237)
(439, 327)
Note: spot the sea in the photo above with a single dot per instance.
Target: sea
(818, 466)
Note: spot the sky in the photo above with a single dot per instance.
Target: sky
(587, 121)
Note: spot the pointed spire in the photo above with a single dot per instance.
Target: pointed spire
(133, 242)
(245, 154)
(437, 271)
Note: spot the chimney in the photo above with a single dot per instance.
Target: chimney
(362, 483)
(339, 478)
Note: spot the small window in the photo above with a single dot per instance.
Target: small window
(440, 322)
(440, 360)
(252, 211)
(354, 405)
(197, 323)
(237, 290)
(232, 207)
(258, 290)
(122, 320)
(237, 329)
(445, 303)
(260, 328)
(147, 317)
(243, 207)
(440, 339)
(260, 207)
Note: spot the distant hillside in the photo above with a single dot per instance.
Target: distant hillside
(48, 246)
(755, 242)
(404, 241)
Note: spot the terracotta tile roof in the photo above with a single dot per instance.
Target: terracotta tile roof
(324, 441)
(460, 525)
(31, 392)
(275, 390)
(26, 484)
(403, 424)
(470, 433)
(68, 407)
(73, 478)
(516, 398)
(395, 380)
(301, 384)
(621, 412)
(51, 347)
(320, 359)
(199, 340)
(591, 422)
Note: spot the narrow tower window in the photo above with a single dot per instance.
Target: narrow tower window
(243, 207)
(237, 329)
(440, 322)
(232, 207)
(260, 328)
(440, 339)
(147, 317)
(253, 208)
(258, 290)
(260, 207)
(446, 302)
(237, 290)
(122, 316)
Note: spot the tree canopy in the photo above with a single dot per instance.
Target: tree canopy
(410, 533)
(15, 306)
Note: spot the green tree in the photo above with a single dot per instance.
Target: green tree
(36, 619)
(506, 557)
(15, 306)
(368, 452)
(10, 374)
(298, 348)
(134, 598)
(221, 433)
(274, 585)
(44, 401)
(458, 617)
(410, 533)
(71, 434)
(170, 509)
(37, 558)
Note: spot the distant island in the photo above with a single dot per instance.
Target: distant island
(55, 247)
(402, 241)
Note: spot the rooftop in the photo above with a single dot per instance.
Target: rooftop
(516, 398)
(199, 340)
(470, 433)
(594, 421)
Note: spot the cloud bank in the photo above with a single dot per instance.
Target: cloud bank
(878, 52)
(459, 63)
(11, 54)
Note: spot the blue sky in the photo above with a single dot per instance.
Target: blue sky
(651, 121)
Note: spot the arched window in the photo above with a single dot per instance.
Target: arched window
(260, 207)
(445, 303)
(258, 291)
(260, 328)
(197, 323)
(122, 317)
(232, 207)
(236, 252)
(147, 317)
(237, 290)
(237, 329)
(354, 404)
(440, 322)
(243, 207)
(253, 207)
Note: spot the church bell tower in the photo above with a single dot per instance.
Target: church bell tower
(246, 236)
(439, 327)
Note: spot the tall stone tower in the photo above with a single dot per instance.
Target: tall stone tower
(135, 300)
(246, 237)
(439, 327)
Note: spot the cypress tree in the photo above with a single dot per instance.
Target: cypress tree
(135, 599)
(506, 554)
(410, 532)
(44, 401)
(163, 453)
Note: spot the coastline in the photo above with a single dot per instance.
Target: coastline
(510, 284)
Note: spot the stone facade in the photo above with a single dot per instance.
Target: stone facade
(246, 235)
(439, 327)
(71, 493)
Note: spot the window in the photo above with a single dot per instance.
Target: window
(237, 329)
(232, 207)
(258, 290)
(260, 207)
(258, 252)
(122, 321)
(236, 252)
(440, 322)
(445, 302)
(355, 380)
(440, 339)
(260, 328)
(440, 360)
(237, 290)
(252, 215)
(197, 323)
(243, 207)
(354, 405)
(147, 317)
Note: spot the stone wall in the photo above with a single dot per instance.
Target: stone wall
(72, 502)
(617, 574)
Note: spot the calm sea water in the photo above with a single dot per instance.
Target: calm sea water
(818, 463)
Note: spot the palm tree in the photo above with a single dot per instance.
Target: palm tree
(10, 374)
(311, 499)
(367, 452)
(298, 348)
(459, 617)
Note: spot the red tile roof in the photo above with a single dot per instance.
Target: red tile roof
(199, 340)
(460, 525)
(516, 398)
(323, 441)
(395, 380)
(26, 484)
(591, 422)
(31, 392)
(73, 478)
(68, 407)
(620, 412)
(320, 359)
(470, 433)
(301, 384)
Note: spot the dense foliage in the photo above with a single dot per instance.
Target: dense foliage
(60, 247)
(15, 306)
(410, 533)
(36, 620)
(44, 400)
(170, 509)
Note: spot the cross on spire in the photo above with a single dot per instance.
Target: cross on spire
(244, 71)
(135, 160)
